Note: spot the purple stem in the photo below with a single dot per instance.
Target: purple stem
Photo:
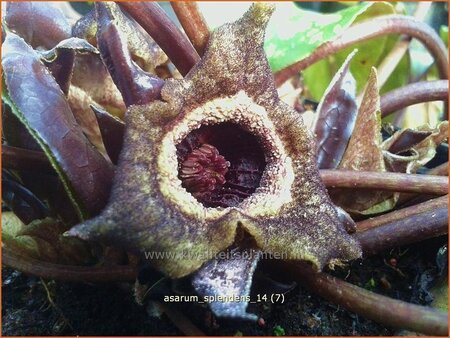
(384, 25)
(158, 25)
(413, 93)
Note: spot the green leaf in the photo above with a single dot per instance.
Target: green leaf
(278, 331)
(294, 33)
(399, 77)
(42, 239)
(370, 54)
(443, 33)
(11, 228)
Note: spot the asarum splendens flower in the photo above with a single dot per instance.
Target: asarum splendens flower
(220, 162)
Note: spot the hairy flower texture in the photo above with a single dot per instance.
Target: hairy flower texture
(220, 153)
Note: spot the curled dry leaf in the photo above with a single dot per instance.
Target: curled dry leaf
(409, 149)
(60, 61)
(36, 99)
(336, 116)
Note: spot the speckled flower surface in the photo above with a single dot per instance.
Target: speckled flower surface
(283, 209)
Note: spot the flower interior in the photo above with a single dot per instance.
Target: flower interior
(221, 164)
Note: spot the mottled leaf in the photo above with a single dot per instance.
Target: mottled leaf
(36, 99)
(38, 23)
(112, 130)
(336, 115)
(303, 31)
(370, 53)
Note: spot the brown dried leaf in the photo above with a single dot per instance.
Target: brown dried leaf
(364, 153)
(91, 75)
(80, 104)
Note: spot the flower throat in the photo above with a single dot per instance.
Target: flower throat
(220, 165)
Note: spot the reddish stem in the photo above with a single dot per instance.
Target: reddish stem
(424, 184)
(158, 25)
(24, 159)
(413, 93)
(384, 25)
(193, 23)
(402, 213)
(46, 270)
(403, 231)
(382, 309)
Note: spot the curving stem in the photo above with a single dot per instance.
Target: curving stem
(158, 25)
(62, 272)
(193, 23)
(413, 93)
(416, 227)
(382, 309)
(384, 25)
(400, 214)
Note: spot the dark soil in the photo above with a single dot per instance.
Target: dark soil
(81, 309)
